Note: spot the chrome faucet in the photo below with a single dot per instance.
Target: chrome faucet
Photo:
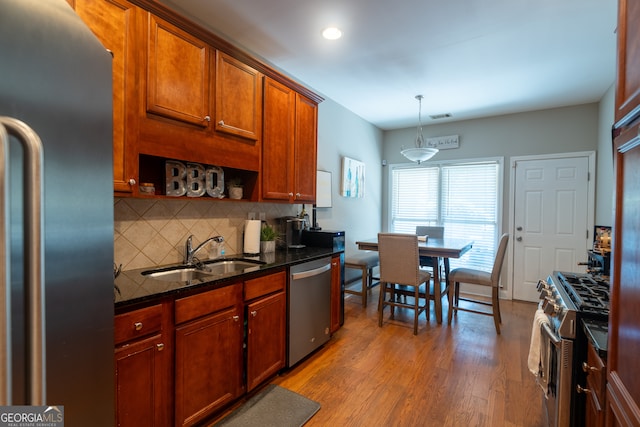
(189, 252)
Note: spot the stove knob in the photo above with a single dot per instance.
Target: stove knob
(542, 285)
(550, 307)
(546, 293)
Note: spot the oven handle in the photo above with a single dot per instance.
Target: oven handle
(552, 336)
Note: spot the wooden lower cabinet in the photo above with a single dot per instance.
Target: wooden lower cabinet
(143, 369)
(208, 356)
(266, 303)
(266, 325)
(141, 392)
(595, 392)
(336, 293)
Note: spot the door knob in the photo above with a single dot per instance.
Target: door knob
(519, 239)
(519, 228)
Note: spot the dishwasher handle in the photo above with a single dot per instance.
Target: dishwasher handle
(310, 273)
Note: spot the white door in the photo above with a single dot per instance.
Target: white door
(551, 220)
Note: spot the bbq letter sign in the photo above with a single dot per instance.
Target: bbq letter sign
(193, 179)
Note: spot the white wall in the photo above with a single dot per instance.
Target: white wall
(559, 130)
(343, 133)
(605, 185)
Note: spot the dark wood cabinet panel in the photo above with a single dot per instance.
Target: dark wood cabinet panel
(336, 296)
(208, 365)
(277, 146)
(266, 338)
(117, 25)
(305, 150)
(628, 69)
(623, 388)
(141, 388)
(177, 74)
(238, 99)
(143, 357)
(289, 145)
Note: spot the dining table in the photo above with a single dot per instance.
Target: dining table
(443, 248)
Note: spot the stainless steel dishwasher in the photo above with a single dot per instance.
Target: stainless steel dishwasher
(309, 307)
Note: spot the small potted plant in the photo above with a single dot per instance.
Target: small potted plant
(268, 236)
(236, 188)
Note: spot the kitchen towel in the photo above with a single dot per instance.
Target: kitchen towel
(252, 236)
(534, 362)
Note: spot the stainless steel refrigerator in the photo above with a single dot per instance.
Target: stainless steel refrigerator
(57, 213)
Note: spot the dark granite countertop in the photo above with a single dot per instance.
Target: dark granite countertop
(134, 288)
(597, 332)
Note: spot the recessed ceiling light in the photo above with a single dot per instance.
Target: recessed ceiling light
(331, 33)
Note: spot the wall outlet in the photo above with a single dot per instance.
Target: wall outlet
(263, 216)
(251, 215)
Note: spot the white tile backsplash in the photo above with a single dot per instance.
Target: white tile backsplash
(150, 232)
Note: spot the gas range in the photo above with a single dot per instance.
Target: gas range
(589, 294)
(568, 298)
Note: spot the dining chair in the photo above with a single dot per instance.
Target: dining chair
(435, 232)
(399, 265)
(479, 277)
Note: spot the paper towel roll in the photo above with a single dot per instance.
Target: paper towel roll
(252, 236)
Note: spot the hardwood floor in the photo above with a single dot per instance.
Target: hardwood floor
(458, 375)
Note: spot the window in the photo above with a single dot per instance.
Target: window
(464, 197)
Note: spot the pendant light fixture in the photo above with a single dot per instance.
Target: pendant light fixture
(420, 152)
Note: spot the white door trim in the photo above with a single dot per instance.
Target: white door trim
(591, 155)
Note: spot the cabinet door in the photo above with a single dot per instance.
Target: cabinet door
(336, 295)
(628, 79)
(623, 365)
(208, 365)
(177, 74)
(116, 24)
(142, 390)
(277, 146)
(266, 329)
(238, 97)
(305, 150)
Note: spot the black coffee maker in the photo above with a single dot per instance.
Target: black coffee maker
(291, 228)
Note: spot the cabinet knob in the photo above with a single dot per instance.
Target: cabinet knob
(236, 318)
(132, 181)
(582, 390)
(137, 326)
(221, 122)
(160, 346)
(254, 313)
(586, 368)
(290, 194)
(298, 195)
(207, 118)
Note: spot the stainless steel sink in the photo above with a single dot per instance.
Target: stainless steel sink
(178, 274)
(209, 270)
(231, 266)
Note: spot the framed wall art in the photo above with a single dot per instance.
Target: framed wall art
(352, 184)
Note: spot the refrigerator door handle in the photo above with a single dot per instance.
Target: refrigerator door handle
(34, 262)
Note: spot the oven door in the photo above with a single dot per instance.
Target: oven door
(555, 378)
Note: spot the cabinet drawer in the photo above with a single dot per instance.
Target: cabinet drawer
(255, 288)
(198, 305)
(596, 377)
(137, 323)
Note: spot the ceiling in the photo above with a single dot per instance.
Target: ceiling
(469, 58)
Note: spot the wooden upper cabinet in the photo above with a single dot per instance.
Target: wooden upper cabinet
(305, 150)
(238, 99)
(289, 144)
(628, 69)
(277, 146)
(116, 23)
(177, 74)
